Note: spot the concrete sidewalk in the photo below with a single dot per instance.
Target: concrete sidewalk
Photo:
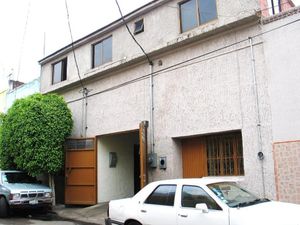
(93, 214)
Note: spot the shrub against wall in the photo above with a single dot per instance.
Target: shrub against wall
(33, 133)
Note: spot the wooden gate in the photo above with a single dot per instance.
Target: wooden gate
(143, 154)
(81, 172)
(213, 155)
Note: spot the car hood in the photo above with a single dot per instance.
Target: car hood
(27, 187)
(275, 213)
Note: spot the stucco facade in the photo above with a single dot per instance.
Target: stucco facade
(211, 79)
(282, 67)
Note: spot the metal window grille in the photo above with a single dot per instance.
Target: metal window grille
(225, 155)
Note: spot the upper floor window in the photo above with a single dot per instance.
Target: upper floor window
(162, 195)
(139, 26)
(59, 71)
(102, 52)
(196, 12)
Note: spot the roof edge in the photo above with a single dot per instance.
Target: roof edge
(107, 28)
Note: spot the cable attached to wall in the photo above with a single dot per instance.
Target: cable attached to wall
(72, 44)
(84, 90)
(132, 36)
(152, 144)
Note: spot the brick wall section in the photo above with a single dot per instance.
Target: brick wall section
(287, 171)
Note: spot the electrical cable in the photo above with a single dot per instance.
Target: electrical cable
(72, 45)
(23, 41)
(183, 62)
(132, 36)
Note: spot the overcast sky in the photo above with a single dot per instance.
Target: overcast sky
(25, 23)
(21, 48)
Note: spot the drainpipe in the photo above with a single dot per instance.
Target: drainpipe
(84, 127)
(258, 119)
(152, 144)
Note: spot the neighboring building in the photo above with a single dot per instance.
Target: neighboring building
(208, 94)
(19, 90)
(281, 49)
(3, 100)
(272, 7)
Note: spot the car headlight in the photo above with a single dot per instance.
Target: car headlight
(48, 195)
(14, 196)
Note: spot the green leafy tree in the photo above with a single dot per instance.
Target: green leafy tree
(33, 133)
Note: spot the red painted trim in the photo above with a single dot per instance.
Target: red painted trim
(283, 142)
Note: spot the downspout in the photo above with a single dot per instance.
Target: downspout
(152, 143)
(84, 127)
(258, 118)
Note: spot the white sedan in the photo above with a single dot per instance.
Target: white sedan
(205, 201)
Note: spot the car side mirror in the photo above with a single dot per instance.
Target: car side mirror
(202, 207)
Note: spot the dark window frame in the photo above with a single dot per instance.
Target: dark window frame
(63, 71)
(221, 155)
(101, 59)
(140, 30)
(162, 185)
(217, 206)
(199, 23)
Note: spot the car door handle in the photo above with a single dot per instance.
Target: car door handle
(183, 215)
(143, 211)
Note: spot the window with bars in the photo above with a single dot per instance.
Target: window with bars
(79, 144)
(224, 155)
(213, 155)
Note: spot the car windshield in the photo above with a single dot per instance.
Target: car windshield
(233, 195)
(13, 178)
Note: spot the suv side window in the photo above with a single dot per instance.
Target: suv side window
(162, 195)
(192, 195)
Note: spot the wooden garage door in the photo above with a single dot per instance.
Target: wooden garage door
(213, 155)
(81, 172)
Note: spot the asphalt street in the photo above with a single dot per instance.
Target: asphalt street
(24, 218)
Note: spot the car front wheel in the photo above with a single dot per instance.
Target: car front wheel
(3, 208)
(133, 223)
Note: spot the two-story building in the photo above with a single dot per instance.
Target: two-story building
(200, 102)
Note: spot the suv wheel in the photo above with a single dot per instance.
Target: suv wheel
(3, 208)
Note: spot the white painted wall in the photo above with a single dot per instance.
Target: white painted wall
(282, 60)
(115, 183)
(162, 28)
(214, 94)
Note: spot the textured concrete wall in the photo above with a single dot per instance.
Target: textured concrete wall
(118, 182)
(162, 27)
(287, 171)
(283, 69)
(213, 93)
(282, 49)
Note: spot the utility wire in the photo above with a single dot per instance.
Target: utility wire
(125, 23)
(23, 41)
(72, 45)
(182, 64)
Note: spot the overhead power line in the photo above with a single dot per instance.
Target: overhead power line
(132, 36)
(183, 63)
(23, 40)
(72, 45)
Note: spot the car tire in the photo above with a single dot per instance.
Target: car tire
(3, 208)
(133, 223)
